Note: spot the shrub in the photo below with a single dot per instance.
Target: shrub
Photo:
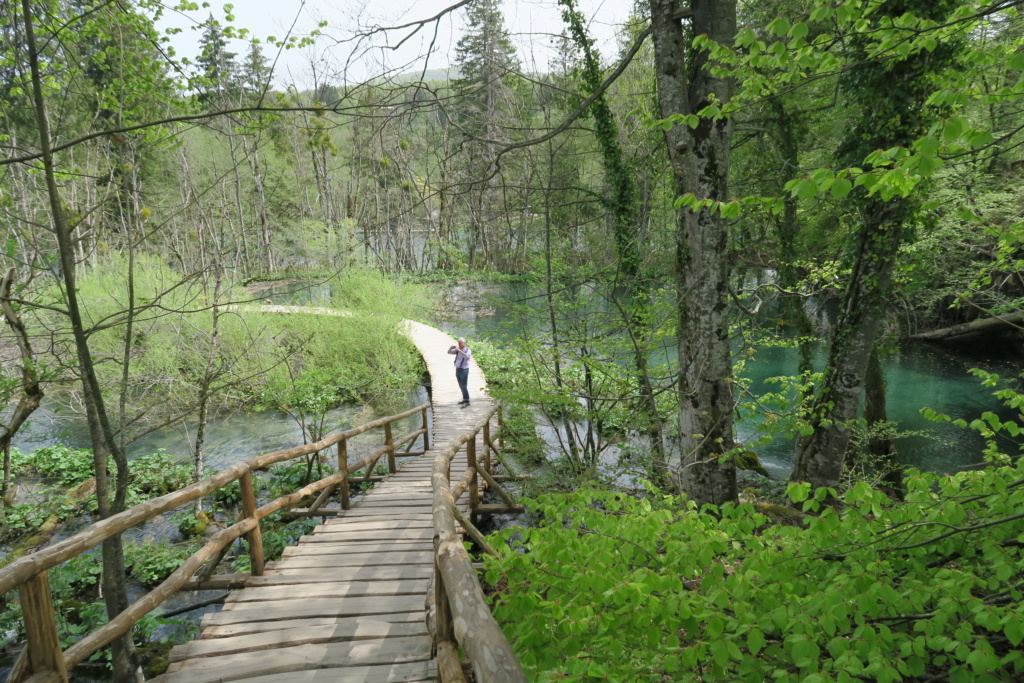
(150, 563)
(69, 466)
(616, 588)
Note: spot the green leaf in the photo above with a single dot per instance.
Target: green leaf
(820, 12)
(780, 26)
(954, 128)
(1014, 629)
(806, 189)
(841, 187)
(731, 210)
(755, 641)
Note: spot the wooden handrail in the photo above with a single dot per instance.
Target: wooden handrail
(27, 566)
(30, 569)
(462, 609)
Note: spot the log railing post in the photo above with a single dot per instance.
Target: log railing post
(426, 432)
(501, 431)
(254, 537)
(474, 490)
(446, 646)
(488, 446)
(390, 443)
(44, 652)
(343, 468)
(445, 628)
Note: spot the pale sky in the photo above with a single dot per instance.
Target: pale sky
(337, 57)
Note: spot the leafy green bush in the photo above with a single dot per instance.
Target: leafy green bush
(17, 520)
(150, 563)
(277, 533)
(69, 466)
(505, 371)
(616, 588)
(228, 496)
(159, 473)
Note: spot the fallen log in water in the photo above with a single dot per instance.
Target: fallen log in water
(997, 323)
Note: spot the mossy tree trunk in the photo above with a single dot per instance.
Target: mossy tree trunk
(699, 159)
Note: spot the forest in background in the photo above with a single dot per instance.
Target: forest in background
(864, 150)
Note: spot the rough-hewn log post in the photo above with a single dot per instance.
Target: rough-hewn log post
(343, 469)
(501, 431)
(254, 538)
(389, 441)
(426, 432)
(446, 649)
(44, 653)
(488, 446)
(445, 630)
(474, 487)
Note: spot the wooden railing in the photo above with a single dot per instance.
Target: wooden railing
(42, 658)
(461, 616)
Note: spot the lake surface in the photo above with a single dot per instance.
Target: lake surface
(917, 376)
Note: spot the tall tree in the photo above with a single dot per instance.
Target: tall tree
(102, 434)
(699, 158)
(896, 120)
(487, 62)
(216, 64)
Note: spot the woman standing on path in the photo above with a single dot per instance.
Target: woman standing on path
(462, 355)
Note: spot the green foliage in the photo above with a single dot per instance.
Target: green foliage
(152, 475)
(287, 477)
(190, 523)
(278, 533)
(77, 577)
(18, 520)
(608, 587)
(69, 466)
(150, 562)
(158, 473)
(620, 201)
(228, 496)
(506, 376)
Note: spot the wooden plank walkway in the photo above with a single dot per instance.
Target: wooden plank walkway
(347, 602)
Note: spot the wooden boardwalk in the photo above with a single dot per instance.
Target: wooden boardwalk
(346, 603)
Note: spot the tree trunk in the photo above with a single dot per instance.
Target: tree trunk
(819, 457)
(101, 435)
(31, 388)
(261, 200)
(882, 123)
(1000, 323)
(700, 164)
(556, 353)
(198, 459)
(880, 445)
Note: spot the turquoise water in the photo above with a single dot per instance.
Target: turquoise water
(917, 376)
